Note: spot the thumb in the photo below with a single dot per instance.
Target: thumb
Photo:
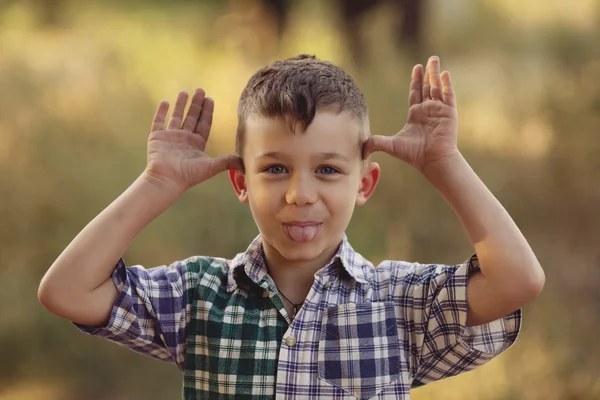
(225, 162)
(378, 143)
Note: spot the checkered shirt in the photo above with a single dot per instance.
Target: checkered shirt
(363, 332)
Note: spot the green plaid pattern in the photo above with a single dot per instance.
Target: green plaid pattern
(363, 332)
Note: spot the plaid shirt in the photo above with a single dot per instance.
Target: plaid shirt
(363, 332)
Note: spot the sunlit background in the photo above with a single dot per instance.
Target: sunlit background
(79, 83)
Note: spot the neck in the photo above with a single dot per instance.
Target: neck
(294, 277)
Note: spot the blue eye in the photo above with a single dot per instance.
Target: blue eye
(276, 169)
(327, 170)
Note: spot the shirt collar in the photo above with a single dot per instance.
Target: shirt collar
(252, 264)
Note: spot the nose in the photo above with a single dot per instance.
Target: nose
(301, 190)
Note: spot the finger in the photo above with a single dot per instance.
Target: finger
(447, 90)
(434, 78)
(178, 110)
(426, 95)
(206, 117)
(193, 114)
(415, 95)
(223, 163)
(378, 143)
(158, 123)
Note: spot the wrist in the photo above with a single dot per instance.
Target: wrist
(162, 187)
(157, 189)
(443, 165)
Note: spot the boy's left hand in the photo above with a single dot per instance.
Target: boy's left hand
(430, 134)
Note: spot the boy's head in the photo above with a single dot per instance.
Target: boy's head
(294, 90)
(302, 123)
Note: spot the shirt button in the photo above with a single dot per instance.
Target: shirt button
(326, 285)
(290, 341)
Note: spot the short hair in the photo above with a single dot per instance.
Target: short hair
(295, 89)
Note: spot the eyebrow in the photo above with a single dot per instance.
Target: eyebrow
(325, 155)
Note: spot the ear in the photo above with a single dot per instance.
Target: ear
(238, 180)
(368, 183)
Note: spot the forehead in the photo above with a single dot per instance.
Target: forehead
(328, 133)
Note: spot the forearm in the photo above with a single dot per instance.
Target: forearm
(506, 259)
(89, 259)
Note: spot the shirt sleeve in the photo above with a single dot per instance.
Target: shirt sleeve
(435, 316)
(151, 311)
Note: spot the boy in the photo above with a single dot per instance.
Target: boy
(300, 314)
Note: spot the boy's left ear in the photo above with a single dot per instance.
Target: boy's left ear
(368, 183)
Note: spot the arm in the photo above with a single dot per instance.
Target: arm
(510, 275)
(78, 286)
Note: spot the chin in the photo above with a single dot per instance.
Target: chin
(299, 251)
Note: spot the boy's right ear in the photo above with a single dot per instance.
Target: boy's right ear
(238, 180)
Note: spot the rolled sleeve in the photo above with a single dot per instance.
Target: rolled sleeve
(442, 345)
(149, 315)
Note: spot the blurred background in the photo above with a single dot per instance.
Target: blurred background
(79, 83)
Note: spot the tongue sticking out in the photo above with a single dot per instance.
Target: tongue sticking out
(301, 233)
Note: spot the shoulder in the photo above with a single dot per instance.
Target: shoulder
(394, 273)
(390, 271)
(405, 271)
(203, 270)
(204, 264)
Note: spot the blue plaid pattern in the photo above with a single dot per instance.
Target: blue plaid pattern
(363, 332)
(358, 348)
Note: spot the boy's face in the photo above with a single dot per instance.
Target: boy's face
(302, 187)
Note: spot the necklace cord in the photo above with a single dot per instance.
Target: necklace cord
(289, 301)
(296, 306)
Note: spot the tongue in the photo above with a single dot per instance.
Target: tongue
(302, 233)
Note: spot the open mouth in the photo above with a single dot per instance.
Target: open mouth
(302, 232)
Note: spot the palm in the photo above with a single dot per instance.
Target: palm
(176, 154)
(430, 133)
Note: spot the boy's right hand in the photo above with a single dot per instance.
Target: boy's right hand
(176, 157)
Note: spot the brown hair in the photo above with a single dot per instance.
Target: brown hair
(294, 89)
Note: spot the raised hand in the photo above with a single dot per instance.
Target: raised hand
(431, 131)
(176, 154)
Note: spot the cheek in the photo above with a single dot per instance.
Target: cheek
(262, 198)
(341, 201)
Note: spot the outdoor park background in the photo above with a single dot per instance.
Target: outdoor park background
(79, 84)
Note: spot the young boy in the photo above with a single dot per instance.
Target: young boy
(300, 314)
